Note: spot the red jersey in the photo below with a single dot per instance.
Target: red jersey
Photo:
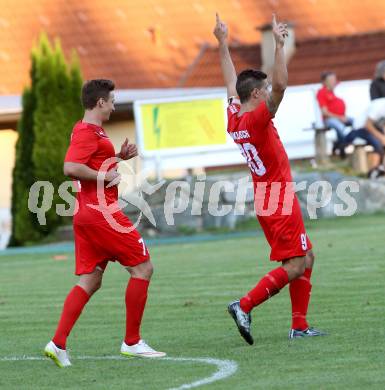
(334, 104)
(276, 205)
(90, 145)
(259, 142)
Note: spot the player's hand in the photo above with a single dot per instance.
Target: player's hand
(280, 32)
(127, 150)
(220, 30)
(112, 177)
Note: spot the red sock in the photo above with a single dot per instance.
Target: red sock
(73, 306)
(136, 297)
(300, 289)
(268, 286)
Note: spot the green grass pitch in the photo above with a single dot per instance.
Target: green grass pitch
(186, 317)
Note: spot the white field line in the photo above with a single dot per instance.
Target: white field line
(225, 368)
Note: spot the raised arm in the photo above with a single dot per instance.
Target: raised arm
(279, 76)
(228, 70)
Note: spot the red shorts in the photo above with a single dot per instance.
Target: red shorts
(286, 234)
(97, 244)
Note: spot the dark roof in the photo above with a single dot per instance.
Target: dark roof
(206, 69)
(352, 57)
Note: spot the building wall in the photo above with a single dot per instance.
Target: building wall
(118, 132)
(8, 140)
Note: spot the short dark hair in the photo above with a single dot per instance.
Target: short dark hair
(248, 80)
(93, 90)
(326, 74)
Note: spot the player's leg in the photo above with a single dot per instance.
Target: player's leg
(300, 289)
(273, 282)
(268, 286)
(300, 292)
(132, 253)
(73, 306)
(136, 298)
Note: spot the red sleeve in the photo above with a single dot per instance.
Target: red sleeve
(82, 146)
(260, 118)
(321, 97)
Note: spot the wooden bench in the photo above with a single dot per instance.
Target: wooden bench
(359, 157)
(320, 143)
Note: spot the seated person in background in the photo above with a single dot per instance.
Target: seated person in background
(333, 109)
(374, 134)
(377, 86)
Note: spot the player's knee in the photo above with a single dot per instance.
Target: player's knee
(143, 271)
(94, 286)
(98, 285)
(310, 259)
(299, 267)
(148, 269)
(91, 282)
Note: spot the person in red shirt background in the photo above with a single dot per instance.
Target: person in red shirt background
(333, 110)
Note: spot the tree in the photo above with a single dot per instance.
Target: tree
(51, 106)
(23, 227)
